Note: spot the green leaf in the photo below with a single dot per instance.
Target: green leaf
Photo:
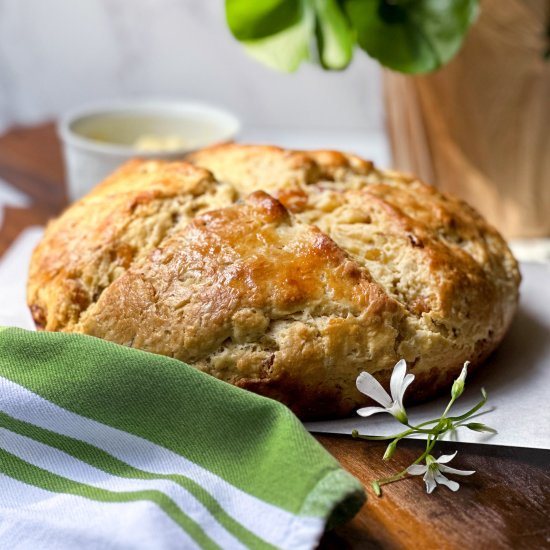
(411, 36)
(479, 427)
(335, 37)
(285, 50)
(253, 19)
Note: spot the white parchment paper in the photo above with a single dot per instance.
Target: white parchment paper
(516, 377)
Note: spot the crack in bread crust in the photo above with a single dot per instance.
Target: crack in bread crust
(98, 238)
(283, 272)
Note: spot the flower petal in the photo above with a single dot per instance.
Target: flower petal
(407, 381)
(367, 384)
(443, 459)
(442, 480)
(448, 470)
(464, 372)
(368, 411)
(430, 481)
(397, 377)
(417, 469)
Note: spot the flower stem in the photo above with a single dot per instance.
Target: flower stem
(419, 429)
(469, 413)
(430, 443)
(356, 435)
(412, 429)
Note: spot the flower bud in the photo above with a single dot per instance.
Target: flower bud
(390, 449)
(458, 384)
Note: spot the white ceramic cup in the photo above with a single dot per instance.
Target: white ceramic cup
(99, 138)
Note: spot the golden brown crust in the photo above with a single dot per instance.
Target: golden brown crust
(253, 296)
(340, 268)
(100, 236)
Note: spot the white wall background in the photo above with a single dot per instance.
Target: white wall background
(58, 54)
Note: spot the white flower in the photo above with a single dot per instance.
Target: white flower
(400, 381)
(433, 475)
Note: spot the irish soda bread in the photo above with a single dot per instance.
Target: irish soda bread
(286, 273)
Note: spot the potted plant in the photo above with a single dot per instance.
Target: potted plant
(474, 122)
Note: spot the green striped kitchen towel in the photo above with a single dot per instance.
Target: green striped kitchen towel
(106, 447)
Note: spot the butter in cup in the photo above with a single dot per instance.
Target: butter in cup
(99, 138)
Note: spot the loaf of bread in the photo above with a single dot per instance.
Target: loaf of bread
(286, 273)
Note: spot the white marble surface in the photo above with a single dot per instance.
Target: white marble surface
(58, 54)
